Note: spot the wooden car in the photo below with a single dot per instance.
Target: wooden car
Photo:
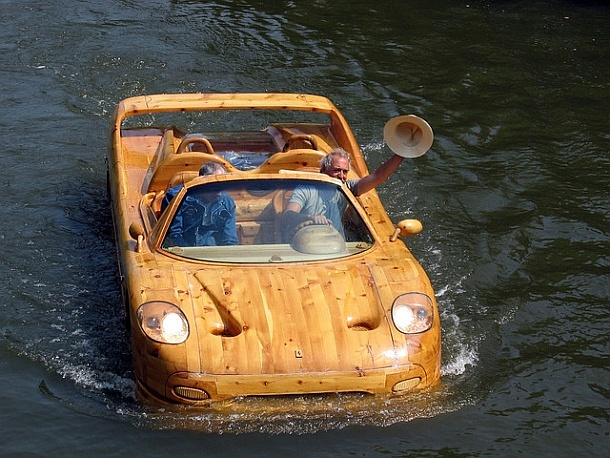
(270, 310)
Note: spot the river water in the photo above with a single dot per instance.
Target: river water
(513, 195)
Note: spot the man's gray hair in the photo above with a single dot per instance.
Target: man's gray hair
(212, 168)
(326, 161)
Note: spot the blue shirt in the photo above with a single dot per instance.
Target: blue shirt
(323, 200)
(201, 223)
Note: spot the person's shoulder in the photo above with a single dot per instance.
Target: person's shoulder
(169, 195)
(302, 191)
(227, 199)
(352, 183)
(171, 192)
(305, 187)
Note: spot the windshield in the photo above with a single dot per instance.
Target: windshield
(265, 221)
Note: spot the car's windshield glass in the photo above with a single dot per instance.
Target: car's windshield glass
(254, 221)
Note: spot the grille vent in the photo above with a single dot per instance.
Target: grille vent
(193, 394)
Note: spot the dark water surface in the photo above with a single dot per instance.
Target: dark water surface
(514, 197)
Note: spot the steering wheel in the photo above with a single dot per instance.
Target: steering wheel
(303, 138)
(298, 227)
(188, 140)
(318, 239)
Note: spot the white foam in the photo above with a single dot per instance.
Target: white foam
(466, 357)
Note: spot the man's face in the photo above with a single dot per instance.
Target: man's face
(212, 196)
(338, 168)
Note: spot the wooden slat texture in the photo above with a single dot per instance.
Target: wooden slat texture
(303, 325)
(292, 320)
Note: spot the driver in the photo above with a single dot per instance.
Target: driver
(314, 205)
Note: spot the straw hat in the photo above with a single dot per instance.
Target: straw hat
(318, 239)
(408, 136)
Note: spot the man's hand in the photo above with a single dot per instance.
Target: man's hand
(320, 219)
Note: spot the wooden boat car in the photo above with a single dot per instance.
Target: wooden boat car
(315, 311)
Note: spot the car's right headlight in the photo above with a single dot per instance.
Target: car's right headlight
(412, 313)
(163, 322)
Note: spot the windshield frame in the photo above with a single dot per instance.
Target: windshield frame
(275, 252)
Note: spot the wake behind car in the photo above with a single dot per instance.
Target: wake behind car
(270, 306)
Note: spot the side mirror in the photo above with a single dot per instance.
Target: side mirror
(136, 231)
(407, 228)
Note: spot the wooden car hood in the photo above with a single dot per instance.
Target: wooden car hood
(271, 320)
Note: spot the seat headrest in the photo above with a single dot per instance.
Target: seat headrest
(182, 178)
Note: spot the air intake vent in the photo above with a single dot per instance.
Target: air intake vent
(406, 385)
(192, 394)
(360, 327)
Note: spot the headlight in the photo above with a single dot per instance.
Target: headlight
(412, 313)
(163, 322)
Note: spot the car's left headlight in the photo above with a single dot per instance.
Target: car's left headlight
(412, 313)
(163, 322)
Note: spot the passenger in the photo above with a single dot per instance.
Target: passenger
(204, 219)
(309, 203)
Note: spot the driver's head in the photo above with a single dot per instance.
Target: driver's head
(211, 168)
(336, 164)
